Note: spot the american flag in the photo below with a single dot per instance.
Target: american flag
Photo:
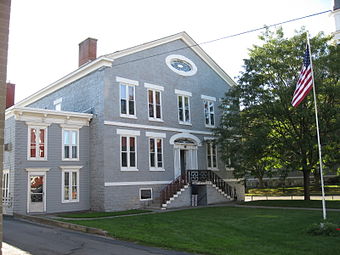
(305, 82)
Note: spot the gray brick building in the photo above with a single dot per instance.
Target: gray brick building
(119, 131)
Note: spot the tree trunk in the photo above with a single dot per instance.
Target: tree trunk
(261, 183)
(317, 177)
(306, 183)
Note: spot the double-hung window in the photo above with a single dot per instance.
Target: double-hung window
(154, 101)
(5, 187)
(37, 149)
(156, 159)
(154, 104)
(127, 96)
(183, 101)
(209, 110)
(70, 184)
(209, 113)
(128, 152)
(127, 100)
(211, 155)
(156, 153)
(57, 104)
(70, 144)
(128, 149)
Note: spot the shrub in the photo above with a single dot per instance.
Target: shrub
(324, 228)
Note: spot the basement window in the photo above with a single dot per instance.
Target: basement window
(145, 194)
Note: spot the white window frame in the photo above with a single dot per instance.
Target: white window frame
(70, 170)
(127, 83)
(70, 145)
(156, 168)
(57, 104)
(209, 99)
(183, 95)
(5, 186)
(37, 157)
(209, 113)
(170, 58)
(154, 91)
(209, 147)
(140, 194)
(128, 134)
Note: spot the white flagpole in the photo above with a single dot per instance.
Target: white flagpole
(318, 134)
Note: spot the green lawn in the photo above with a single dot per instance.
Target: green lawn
(225, 230)
(293, 191)
(101, 214)
(294, 203)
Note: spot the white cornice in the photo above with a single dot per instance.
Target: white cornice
(141, 126)
(75, 75)
(187, 40)
(35, 116)
(111, 184)
(37, 169)
(70, 167)
(183, 93)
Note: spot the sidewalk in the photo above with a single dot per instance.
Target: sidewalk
(285, 208)
(292, 197)
(8, 249)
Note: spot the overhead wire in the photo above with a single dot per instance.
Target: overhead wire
(223, 38)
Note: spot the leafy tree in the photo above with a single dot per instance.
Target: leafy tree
(268, 132)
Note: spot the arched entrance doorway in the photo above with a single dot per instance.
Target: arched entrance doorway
(185, 152)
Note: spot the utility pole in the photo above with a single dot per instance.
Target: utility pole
(5, 9)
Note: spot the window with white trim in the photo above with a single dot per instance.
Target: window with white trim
(127, 100)
(57, 104)
(211, 155)
(70, 144)
(156, 153)
(70, 185)
(128, 152)
(183, 109)
(37, 143)
(5, 186)
(154, 104)
(145, 194)
(209, 113)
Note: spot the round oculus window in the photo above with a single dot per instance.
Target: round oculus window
(181, 65)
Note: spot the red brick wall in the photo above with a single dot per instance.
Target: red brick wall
(5, 7)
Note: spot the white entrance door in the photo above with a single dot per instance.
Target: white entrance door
(36, 192)
(185, 158)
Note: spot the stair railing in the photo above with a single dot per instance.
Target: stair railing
(203, 176)
(172, 188)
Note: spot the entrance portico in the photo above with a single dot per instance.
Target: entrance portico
(185, 152)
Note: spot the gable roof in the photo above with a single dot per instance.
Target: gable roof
(107, 60)
(190, 44)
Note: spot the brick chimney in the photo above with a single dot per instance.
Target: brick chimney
(10, 93)
(87, 51)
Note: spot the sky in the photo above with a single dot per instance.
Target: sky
(44, 34)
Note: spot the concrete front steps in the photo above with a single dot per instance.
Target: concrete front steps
(210, 194)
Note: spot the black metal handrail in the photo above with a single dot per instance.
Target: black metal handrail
(203, 176)
(194, 177)
(172, 188)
